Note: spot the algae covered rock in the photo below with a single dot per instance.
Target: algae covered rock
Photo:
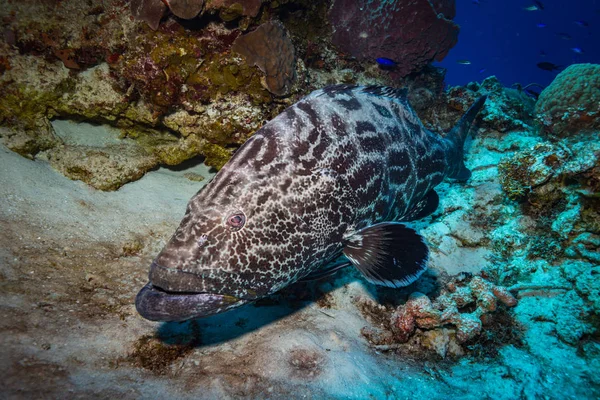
(572, 101)
(527, 170)
(541, 172)
(106, 168)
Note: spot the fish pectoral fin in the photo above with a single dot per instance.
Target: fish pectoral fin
(324, 272)
(388, 254)
(463, 174)
(423, 208)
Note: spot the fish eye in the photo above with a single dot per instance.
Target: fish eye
(236, 221)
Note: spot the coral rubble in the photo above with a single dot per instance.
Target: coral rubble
(422, 313)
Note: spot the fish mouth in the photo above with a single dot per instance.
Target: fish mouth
(156, 304)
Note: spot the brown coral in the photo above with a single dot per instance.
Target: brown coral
(149, 11)
(412, 33)
(270, 49)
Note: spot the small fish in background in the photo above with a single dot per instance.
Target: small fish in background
(582, 23)
(463, 62)
(577, 50)
(476, 2)
(543, 53)
(541, 25)
(386, 63)
(526, 89)
(539, 4)
(564, 36)
(548, 66)
(531, 8)
(482, 70)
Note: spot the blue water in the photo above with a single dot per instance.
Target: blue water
(502, 38)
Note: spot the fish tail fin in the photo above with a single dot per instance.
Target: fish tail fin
(459, 134)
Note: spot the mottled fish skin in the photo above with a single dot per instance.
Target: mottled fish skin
(341, 159)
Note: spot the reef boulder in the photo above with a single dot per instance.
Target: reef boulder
(572, 101)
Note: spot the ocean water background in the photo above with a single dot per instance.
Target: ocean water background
(503, 39)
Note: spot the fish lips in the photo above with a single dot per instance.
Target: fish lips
(156, 304)
(176, 295)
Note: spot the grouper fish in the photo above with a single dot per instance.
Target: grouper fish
(334, 174)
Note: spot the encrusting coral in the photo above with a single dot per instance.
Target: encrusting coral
(526, 171)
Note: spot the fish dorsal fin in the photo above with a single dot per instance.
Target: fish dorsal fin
(386, 91)
(333, 90)
(426, 206)
(388, 254)
(375, 90)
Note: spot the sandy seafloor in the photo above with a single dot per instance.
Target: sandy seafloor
(73, 258)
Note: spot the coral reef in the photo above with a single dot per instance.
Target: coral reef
(178, 88)
(369, 29)
(505, 110)
(572, 102)
(270, 49)
(178, 92)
